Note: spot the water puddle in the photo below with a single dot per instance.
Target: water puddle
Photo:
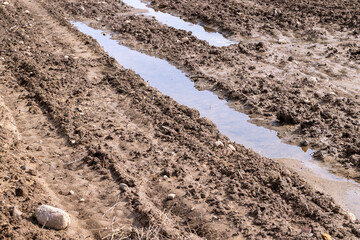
(198, 30)
(174, 83)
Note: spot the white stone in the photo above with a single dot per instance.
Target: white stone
(6, 3)
(71, 192)
(313, 80)
(307, 101)
(16, 213)
(185, 39)
(82, 200)
(52, 217)
(27, 11)
(171, 196)
(219, 144)
(351, 216)
(123, 186)
(282, 41)
(232, 148)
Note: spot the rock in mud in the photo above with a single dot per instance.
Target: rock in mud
(313, 80)
(219, 144)
(282, 41)
(232, 148)
(326, 236)
(123, 186)
(16, 213)
(52, 217)
(351, 217)
(171, 196)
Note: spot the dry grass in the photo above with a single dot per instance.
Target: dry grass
(116, 232)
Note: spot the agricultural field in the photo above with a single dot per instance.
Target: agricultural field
(180, 119)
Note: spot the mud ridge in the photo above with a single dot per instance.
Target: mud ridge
(316, 112)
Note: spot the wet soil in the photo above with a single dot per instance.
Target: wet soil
(304, 78)
(74, 119)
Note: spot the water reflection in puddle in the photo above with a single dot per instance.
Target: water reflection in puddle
(202, 32)
(174, 83)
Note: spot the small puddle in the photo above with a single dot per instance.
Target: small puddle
(174, 83)
(198, 30)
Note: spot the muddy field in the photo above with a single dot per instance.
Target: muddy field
(82, 133)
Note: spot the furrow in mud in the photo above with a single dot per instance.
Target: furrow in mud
(242, 17)
(295, 84)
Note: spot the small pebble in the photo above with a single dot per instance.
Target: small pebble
(313, 80)
(27, 11)
(71, 192)
(219, 144)
(171, 196)
(306, 230)
(307, 101)
(351, 217)
(23, 167)
(52, 217)
(282, 41)
(16, 213)
(6, 3)
(232, 148)
(73, 141)
(185, 39)
(326, 236)
(123, 186)
(82, 200)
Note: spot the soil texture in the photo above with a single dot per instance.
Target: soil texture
(80, 132)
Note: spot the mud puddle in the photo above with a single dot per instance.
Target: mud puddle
(174, 83)
(198, 30)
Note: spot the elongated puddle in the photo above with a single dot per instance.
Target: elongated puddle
(202, 32)
(174, 83)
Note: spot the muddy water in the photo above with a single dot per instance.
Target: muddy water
(174, 83)
(198, 30)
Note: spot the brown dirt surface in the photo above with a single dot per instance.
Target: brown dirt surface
(72, 119)
(304, 78)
